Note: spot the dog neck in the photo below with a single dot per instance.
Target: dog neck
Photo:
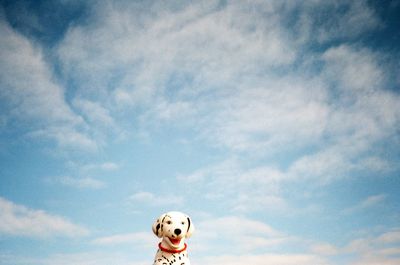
(174, 251)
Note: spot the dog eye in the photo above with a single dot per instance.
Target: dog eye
(183, 223)
(169, 222)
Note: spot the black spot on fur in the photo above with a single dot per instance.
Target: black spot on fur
(188, 223)
(157, 228)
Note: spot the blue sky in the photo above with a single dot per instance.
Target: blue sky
(273, 124)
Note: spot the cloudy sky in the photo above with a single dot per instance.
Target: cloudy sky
(273, 124)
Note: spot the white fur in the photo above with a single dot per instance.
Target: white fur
(173, 228)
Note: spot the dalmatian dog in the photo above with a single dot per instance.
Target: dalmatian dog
(173, 228)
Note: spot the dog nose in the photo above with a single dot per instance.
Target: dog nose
(177, 231)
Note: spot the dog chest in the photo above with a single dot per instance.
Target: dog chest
(165, 258)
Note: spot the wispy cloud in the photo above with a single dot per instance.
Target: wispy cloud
(381, 249)
(324, 249)
(242, 233)
(255, 94)
(368, 243)
(369, 202)
(148, 198)
(288, 102)
(99, 119)
(325, 22)
(239, 187)
(233, 87)
(19, 220)
(145, 239)
(149, 65)
(278, 259)
(81, 258)
(263, 117)
(30, 94)
(106, 166)
(75, 182)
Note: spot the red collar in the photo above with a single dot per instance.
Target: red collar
(174, 251)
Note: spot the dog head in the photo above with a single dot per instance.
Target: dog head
(173, 227)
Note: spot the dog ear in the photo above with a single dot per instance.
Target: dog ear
(158, 226)
(190, 228)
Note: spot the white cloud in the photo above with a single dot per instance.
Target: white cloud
(30, 94)
(109, 166)
(260, 202)
(373, 201)
(354, 69)
(381, 249)
(356, 78)
(123, 44)
(144, 197)
(362, 96)
(230, 86)
(243, 234)
(145, 239)
(377, 164)
(106, 166)
(238, 187)
(231, 92)
(324, 249)
(377, 261)
(329, 21)
(80, 183)
(347, 20)
(95, 113)
(323, 166)
(80, 258)
(389, 237)
(66, 137)
(282, 114)
(19, 220)
(91, 258)
(276, 259)
(81, 177)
